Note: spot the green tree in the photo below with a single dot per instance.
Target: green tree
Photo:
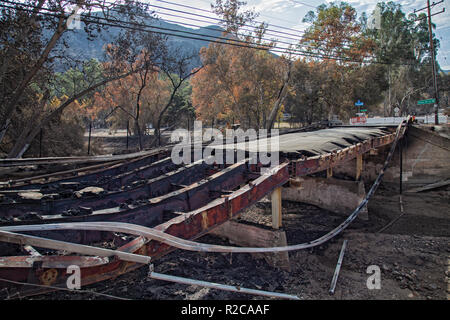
(402, 44)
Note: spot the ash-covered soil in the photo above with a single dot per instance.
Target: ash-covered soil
(413, 256)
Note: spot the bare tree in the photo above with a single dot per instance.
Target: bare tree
(281, 97)
(177, 68)
(26, 64)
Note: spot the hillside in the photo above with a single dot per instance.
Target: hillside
(80, 47)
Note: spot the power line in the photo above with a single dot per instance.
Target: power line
(433, 58)
(265, 39)
(267, 31)
(202, 37)
(209, 11)
(208, 17)
(240, 34)
(277, 33)
(303, 3)
(224, 21)
(247, 44)
(294, 52)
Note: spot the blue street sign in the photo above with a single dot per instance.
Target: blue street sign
(359, 103)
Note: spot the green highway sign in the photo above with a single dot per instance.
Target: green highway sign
(363, 110)
(428, 101)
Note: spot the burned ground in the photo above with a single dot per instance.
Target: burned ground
(413, 255)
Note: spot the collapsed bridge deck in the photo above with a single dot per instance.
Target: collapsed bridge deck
(186, 202)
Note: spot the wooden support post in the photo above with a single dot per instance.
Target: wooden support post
(329, 172)
(359, 166)
(276, 208)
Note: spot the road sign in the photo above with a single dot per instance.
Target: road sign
(427, 101)
(363, 110)
(359, 103)
(358, 120)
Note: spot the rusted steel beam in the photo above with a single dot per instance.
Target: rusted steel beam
(191, 225)
(310, 165)
(202, 214)
(78, 175)
(196, 223)
(76, 160)
(156, 183)
(153, 211)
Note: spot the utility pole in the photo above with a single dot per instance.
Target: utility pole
(433, 58)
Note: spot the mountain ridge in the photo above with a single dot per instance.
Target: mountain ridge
(79, 47)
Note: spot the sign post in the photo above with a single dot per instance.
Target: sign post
(359, 104)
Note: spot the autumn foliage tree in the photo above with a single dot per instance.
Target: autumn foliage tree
(32, 47)
(335, 51)
(239, 84)
(119, 100)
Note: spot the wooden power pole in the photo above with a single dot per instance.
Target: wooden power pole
(433, 58)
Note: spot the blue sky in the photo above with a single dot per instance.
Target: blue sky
(289, 13)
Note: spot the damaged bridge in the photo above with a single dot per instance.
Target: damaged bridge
(112, 214)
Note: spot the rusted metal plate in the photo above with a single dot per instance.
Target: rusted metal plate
(310, 165)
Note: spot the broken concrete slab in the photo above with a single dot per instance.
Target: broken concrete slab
(339, 196)
(251, 236)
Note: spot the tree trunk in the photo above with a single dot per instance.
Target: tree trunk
(21, 146)
(280, 99)
(138, 108)
(163, 111)
(14, 100)
(138, 131)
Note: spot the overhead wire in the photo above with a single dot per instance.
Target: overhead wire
(276, 34)
(209, 11)
(298, 38)
(235, 42)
